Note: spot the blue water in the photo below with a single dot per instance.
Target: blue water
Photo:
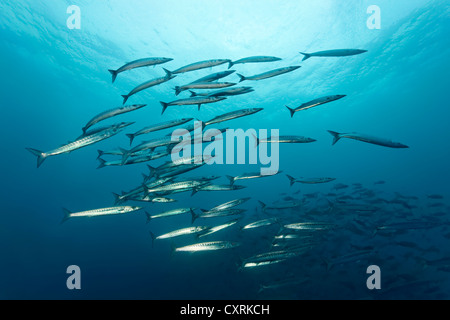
(55, 79)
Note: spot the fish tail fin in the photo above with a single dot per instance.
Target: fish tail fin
(328, 264)
(263, 205)
(164, 106)
(168, 73)
(256, 140)
(231, 179)
(131, 136)
(336, 136)
(41, 156)
(117, 199)
(153, 238)
(172, 249)
(102, 163)
(194, 216)
(177, 90)
(241, 77)
(149, 217)
(66, 215)
(193, 94)
(230, 64)
(125, 98)
(291, 179)
(114, 75)
(194, 191)
(306, 56)
(151, 173)
(100, 153)
(292, 111)
(125, 155)
(199, 106)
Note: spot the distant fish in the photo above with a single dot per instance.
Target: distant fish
(365, 138)
(255, 59)
(148, 84)
(77, 144)
(203, 85)
(201, 65)
(169, 213)
(284, 139)
(138, 64)
(310, 226)
(157, 127)
(99, 212)
(208, 246)
(315, 102)
(293, 180)
(333, 53)
(216, 187)
(268, 74)
(281, 205)
(111, 113)
(435, 196)
(191, 101)
(379, 182)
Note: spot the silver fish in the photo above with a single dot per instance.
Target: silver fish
(211, 230)
(281, 205)
(203, 85)
(366, 138)
(215, 187)
(310, 226)
(208, 246)
(315, 103)
(157, 127)
(216, 214)
(148, 84)
(247, 176)
(169, 213)
(201, 65)
(99, 212)
(268, 74)
(111, 113)
(284, 139)
(232, 115)
(138, 64)
(260, 223)
(333, 53)
(222, 93)
(254, 59)
(78, 144)
(214, 76)
(229, 204)
(178, 233)
(190, 101)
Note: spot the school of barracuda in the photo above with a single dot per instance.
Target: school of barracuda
(343, 226)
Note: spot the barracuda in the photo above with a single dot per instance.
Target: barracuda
(138, 64)
(99, 212)
(208, 246)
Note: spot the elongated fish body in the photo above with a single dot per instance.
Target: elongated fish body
(214, 76)
(260, 223)
(217, 187)
(138, 64)
(157, 127)
(151, 144)
(223, 93)
(133, 160)
(111, 113)
(333, 53)
(293, 180)
(148, 84)
(315, 103)
(257, 264)
(201, 65)
(215, 229)
(254, 59)
(177, 185)
(281, 205)
(75, 145)
(179, 232)
(310, 226)
(203, 85)
(191, 101)
(99, 212)
(273, 255)
(216, 214)
(169, 213)
(247, 176)
(366, 138)
(269, 74)
(229, 204)
(284, 139)
(208, 246)
(233, 115)
(99, 129)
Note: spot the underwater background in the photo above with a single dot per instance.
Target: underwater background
(54, 79)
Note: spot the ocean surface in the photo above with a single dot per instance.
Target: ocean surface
(388, 207)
